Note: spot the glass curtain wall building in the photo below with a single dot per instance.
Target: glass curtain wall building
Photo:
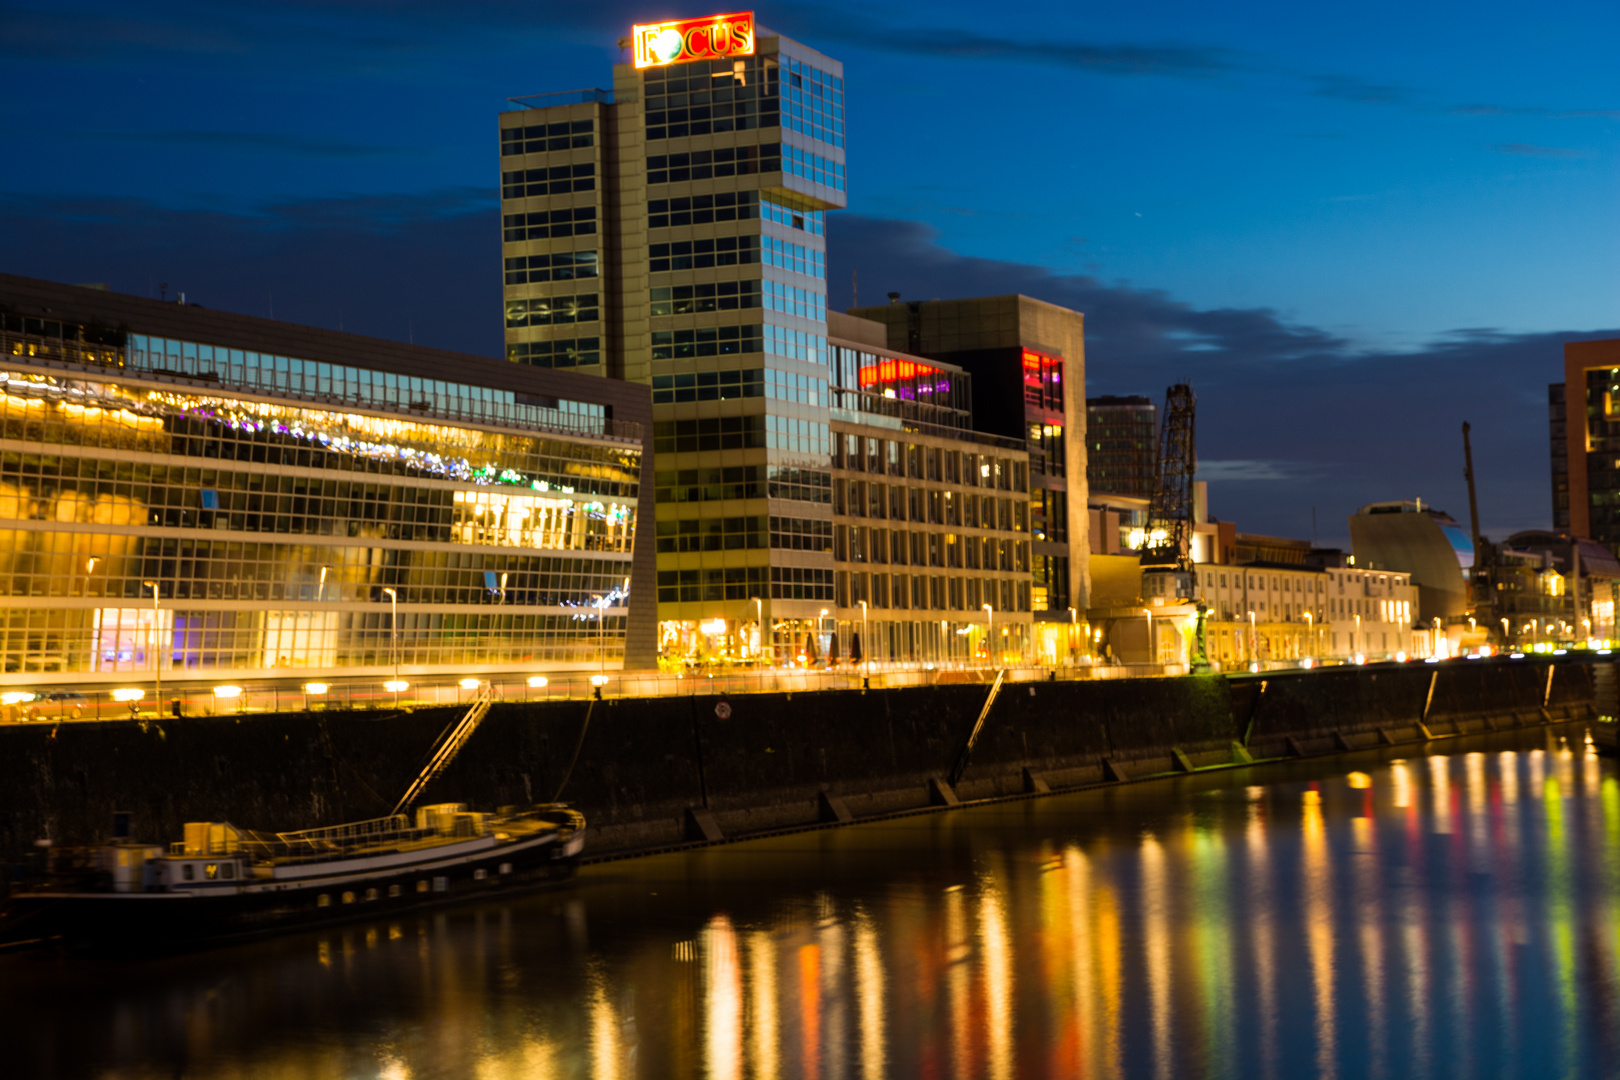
(170, 497)
(671, 232)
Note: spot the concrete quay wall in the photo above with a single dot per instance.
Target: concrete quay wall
(659, 771)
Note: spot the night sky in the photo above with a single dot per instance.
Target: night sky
(1350, 227)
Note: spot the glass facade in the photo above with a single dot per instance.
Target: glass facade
(274, 530)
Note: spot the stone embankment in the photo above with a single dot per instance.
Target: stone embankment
(654, 772)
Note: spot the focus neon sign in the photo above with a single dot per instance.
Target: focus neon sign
(713, 37)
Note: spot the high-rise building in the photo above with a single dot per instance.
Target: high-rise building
(1027, 360)
(1122, 446)
(671, 232)
(197, 494)
(1585, 411)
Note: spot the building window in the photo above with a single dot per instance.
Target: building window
(705, 341)
(696, 299)
(549, 224)
(555, 180)
(552, 266)
(540, 138)
(702, 209)
(702, 254)
(552, 310)
(576, 352)
(707, 164)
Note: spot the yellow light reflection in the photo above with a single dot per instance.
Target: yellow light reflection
(1261, 915)
(1440, 791)
(1402, 780)
(1319, 937)
(996, 945)
(722, 994)
(1156, 929)
(607, 1055)
(869, 989)
(762, 1005)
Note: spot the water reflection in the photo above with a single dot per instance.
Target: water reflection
(1452, 915)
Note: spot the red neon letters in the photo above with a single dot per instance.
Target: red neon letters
(712, 37)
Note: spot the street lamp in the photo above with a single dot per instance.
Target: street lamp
(157, 655)
(1153, 653)
(601, 648)
(1254, 644)
(393, 637)
(759, 628)
(989, 629)
(866, 642)
(1505, 634)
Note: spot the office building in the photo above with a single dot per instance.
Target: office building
(671, 232)
(212, 495)
(1027, 361)
(1122, 446)
(931, 535)
(1584, 424)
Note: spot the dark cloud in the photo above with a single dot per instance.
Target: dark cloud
(276, 144)
(423, 268)
(1290, 417)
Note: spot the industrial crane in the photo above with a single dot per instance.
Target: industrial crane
(1167, 569)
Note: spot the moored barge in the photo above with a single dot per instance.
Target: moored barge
(222, 882)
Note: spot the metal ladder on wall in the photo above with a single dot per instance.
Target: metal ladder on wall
(450, 746)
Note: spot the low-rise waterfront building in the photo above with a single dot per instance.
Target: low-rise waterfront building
(202, 494)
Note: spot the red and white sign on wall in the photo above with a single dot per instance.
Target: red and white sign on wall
(713, 37)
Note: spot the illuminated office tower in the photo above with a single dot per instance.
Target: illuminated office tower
(671, 232)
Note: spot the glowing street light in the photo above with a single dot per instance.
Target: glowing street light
(157, 655)
(989, 629)
(393, 642)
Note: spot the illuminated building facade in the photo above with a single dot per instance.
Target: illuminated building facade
(929, 523)
(289, 492)
(1027, 362)
(671, 232)
(1584, 422)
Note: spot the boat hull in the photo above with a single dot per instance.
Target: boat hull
(158, 921)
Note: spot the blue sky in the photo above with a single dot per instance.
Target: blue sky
(1352, 228)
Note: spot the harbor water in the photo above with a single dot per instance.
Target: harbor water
(1445, 911)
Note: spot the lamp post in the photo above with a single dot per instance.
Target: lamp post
(1153, 653)
(989, 627)
(157, 655)
(759, 628)
(1254, 643)
(601, 646)
(820, 624)
(393, 638)
(866, 642)
(1505, 635)
(1437, 636)
(1310, 626)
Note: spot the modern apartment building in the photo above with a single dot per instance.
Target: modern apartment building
(1584, 423)
(193, 493)
(1122, 446)
(1027, 360)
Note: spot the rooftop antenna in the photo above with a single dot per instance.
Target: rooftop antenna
(163, 290)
